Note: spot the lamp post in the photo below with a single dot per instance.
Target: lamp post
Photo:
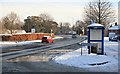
(51, 32)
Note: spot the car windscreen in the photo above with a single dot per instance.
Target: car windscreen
(111, 34)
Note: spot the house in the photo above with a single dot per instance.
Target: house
(114, 29)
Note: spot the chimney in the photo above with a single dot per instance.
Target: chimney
(111, 25)
(116, 24)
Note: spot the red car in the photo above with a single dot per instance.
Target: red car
(47, 39)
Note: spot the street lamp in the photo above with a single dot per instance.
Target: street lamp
(51, 32)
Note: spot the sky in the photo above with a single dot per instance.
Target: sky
(60, 10)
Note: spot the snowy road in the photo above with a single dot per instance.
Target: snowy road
(9, 55)
(73, 60)
(41, 62)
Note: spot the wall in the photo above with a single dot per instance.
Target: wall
(25, 37)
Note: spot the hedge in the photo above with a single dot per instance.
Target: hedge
(26, 37)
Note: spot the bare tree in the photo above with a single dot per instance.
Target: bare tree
(99, 11)
(48, 23)
(65, 28)
(78, 27)
(11, 21)
(46, 17)
(1, 27)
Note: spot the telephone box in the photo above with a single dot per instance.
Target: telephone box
(96, 35)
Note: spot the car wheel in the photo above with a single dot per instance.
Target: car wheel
(48, 42)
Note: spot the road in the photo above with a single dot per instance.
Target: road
(39, 48)
(41, 62)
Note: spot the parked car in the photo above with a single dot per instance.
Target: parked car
(74, 36)
(111, 35)
(117, 36)
(114, 37)
(47, 39)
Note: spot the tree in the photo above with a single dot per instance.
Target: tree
(54, 28)
(60, 28)
(65, 28)
(11, 22)
(78, 27)
(48, 23)
(1, 27)
(33, 21)
(42, 23)
(46, 17)
(99, 11)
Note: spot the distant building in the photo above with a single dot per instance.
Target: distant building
(114, 29)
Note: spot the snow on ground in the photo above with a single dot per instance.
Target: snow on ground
(21, 42)
(58, 37)
(12, 43)
(111, 48)
(92, 62)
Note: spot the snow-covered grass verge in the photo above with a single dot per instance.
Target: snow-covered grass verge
(92, 62)
(19, 42)
(4, 44)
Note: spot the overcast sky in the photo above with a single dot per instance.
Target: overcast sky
(60, 10)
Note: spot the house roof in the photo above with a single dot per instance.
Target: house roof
(115, 27)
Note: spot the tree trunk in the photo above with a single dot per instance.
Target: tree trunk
(10, 31)
(99, 12)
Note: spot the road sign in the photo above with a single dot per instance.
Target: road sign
(88, 44)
